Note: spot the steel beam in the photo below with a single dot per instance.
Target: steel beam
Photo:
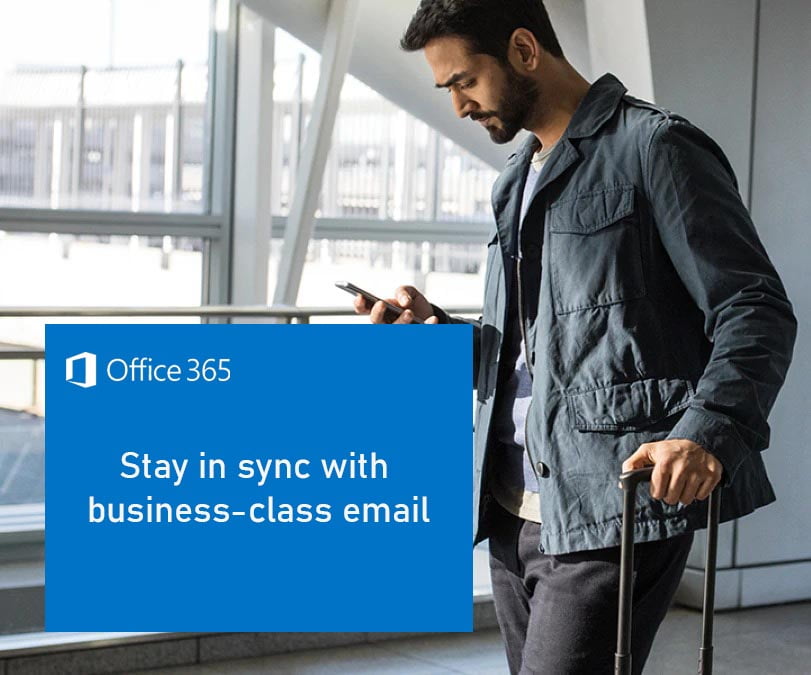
(341, 23)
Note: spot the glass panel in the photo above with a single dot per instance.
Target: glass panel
(448, 274)
(91, 270)
(465, 185)
(66, 270)
(383, 162)
(103, 108)
(295, 78)
(22, 457)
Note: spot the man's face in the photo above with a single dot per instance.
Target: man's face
(482, 88)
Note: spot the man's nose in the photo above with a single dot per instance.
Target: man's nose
(462, 104)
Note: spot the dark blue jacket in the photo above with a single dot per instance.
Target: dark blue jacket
(651, 311)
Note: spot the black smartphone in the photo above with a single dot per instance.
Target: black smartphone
(372, 299)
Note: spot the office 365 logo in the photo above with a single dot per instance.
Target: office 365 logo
(81, 370)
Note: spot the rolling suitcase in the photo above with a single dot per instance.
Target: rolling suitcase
(629, 481)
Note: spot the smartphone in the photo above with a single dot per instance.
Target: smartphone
(372, 299)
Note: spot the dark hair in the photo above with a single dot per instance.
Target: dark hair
(486, 24)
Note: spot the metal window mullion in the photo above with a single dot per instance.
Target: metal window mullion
(297, 119)
(208, 127)
(78, 139)
(177, 178)
(223, 69)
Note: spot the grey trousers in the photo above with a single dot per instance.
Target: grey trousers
(558, 613)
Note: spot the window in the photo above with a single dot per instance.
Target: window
(448, 273)
(104, 108)
(62, 269)
(383, 162)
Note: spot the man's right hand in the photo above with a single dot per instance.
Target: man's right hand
(407, 297)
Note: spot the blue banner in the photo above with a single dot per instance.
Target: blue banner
(258, 477)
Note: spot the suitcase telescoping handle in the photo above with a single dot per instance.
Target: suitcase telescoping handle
(629, 481)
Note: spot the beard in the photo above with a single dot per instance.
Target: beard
(516, 104)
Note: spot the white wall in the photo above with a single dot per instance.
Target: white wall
(781, 208)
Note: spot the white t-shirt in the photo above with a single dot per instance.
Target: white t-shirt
(513, 483)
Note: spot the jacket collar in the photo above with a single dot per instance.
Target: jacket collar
(597, 107)
(594, 110)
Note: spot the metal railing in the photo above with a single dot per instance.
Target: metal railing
(301, 315)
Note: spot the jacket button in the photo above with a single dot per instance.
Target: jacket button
(543, 470)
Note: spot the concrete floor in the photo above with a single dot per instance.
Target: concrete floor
(762, 641)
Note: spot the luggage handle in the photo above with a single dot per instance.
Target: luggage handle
(629, 481)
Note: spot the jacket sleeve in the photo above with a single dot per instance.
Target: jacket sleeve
(444, 317)
(715, 249)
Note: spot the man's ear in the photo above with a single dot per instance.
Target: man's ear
(523, 50)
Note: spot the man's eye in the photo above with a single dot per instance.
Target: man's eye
(468, 84)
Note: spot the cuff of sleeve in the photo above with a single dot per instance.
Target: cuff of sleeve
(717, 435)
(440, 314)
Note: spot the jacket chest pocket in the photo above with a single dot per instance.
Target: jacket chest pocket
(595, 253)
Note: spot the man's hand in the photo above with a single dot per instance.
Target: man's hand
(683, 471)
(406, 296)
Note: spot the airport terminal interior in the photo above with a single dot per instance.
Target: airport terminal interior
(226, 161)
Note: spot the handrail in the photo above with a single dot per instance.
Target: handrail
(277, 311)
(302, 314)
(16, 352)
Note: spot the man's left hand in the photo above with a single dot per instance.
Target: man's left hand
(683, 471)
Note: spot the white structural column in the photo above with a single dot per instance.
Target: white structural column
(334, 61)
(702, 60)
(618, 43)
(252, 218)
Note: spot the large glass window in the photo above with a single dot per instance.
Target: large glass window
(448, 273)
(103, 104)
(63, 270)
(383, 162)
(58, 270)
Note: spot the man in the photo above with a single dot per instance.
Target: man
(631, 317)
